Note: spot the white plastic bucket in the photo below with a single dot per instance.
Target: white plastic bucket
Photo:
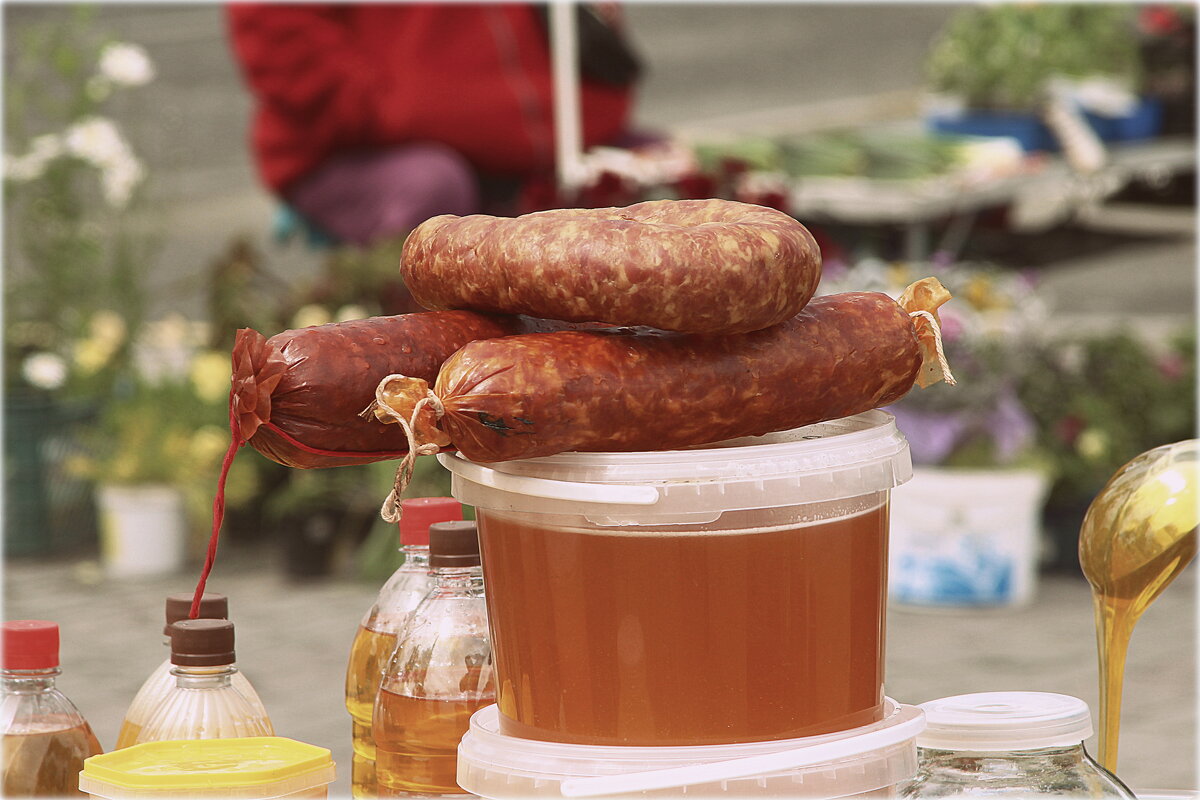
(143, 530)
(690, 597)
(966, 538)
(861, 762)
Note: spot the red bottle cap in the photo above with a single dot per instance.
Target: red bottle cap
(418, 513)
(30, 644)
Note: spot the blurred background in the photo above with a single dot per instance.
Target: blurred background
(138, 237)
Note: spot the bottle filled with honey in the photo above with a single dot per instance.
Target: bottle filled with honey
(439, 675)
(203, 703)
(376, 637)
(46, 738)
(161, 682)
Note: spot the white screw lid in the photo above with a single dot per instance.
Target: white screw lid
(1005, 721)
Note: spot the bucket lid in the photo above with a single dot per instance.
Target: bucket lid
(1005, 721)
(828, 461)
(493, 765)
(247, 767)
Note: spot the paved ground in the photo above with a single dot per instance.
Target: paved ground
(293, 640)
(712, 66)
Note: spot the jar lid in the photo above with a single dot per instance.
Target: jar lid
(418, 513)
(822, 463)
(1004, 721)
(29, 644)
(250, 768)
(454, 544)
(179, 607)
(202, 642)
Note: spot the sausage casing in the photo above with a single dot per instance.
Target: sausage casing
(696, 266)
(634, 389)
(297, 396)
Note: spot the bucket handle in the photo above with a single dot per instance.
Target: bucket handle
(611, 493)
(750, 766)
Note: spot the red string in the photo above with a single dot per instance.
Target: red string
(316, 451)
(218, 509)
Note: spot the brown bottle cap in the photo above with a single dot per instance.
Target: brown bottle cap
(454, 544)
(179, 606)
(202, 642)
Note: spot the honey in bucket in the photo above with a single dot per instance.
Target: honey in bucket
(730, 593)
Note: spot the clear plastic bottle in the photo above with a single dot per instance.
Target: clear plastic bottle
(203, 704)
(161, 681)
(1009, 744)
(376, 637)
(46, 739)
(439, 675)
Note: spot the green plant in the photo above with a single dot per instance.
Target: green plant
(72, 184)
(1000, 56)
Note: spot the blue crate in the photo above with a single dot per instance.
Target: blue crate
(1033, 135)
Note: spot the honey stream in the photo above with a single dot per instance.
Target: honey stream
(1138, 534)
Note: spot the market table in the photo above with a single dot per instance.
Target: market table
(1045, 189)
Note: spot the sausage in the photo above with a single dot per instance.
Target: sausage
(297, 396)
(637, 389)
(694, 266)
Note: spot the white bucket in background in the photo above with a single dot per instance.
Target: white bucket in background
(965, 538)
(143, 530)
(861, 762)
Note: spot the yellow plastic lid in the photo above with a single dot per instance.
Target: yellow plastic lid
(257, 766)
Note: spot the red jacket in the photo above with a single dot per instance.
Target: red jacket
(329, 78)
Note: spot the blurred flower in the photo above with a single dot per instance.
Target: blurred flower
(349, 312)
(210, 376)
(99, 142)
(310, 315)
(45, 370)
(32, 165)
(1092, 444)
(126, 64)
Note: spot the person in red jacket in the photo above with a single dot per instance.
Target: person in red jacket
(370, 118)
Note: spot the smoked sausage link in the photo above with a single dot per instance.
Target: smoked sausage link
(297, 395)
(628, 390)
(695, 266)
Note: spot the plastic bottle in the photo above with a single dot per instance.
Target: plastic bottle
(203, 704)
(1009, 744)
(439, 675)
(376, 637)
(46, 739)
(161, 681)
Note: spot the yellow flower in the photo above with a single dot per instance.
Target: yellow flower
(210, 376)
(108, 327)
(311, 315)
(91, 355)
(349, 312)
(208, 444)
(1092, 444)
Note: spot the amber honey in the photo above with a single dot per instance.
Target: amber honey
(636, 636)
(46, 763)
(416, 742)
(368, 656)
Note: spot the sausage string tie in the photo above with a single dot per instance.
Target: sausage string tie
(937, 343)
(390, 511)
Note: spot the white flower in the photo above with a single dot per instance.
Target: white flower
(45, 370)
(32, 165)
(126, 64)
(119, 179)
(97, 141)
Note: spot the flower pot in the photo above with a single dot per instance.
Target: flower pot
(143, 530)
(965, 538)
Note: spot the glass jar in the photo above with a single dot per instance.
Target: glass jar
(1009, 744)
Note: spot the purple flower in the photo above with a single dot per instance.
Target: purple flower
(932, 435)
(1010, 426)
